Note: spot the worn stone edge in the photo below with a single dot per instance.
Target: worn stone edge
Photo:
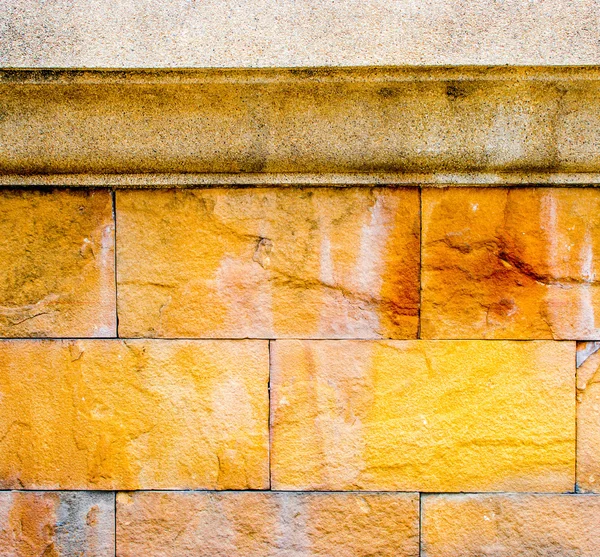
(186, 180)
(373, 74)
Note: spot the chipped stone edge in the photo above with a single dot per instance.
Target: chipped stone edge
(586, 349)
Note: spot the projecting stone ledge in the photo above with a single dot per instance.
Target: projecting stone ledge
(387, 125)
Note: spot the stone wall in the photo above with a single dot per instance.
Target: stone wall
(313, 313)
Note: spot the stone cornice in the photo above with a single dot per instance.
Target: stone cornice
(314, 126)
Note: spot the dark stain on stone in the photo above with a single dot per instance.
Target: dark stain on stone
(455, 91)
(387, 92)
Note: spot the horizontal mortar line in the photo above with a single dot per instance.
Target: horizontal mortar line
(310, 339)
(323, 492)
(332, 179)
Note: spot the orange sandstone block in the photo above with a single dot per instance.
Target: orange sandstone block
(423, 415)
(511, 263)
(511, 525)
(134, 414)
(279, 262)
(588, 416)
(56, 524)
(267, 524)
(57, 273)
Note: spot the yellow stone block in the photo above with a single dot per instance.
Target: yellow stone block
(511, 263)
(57, 271)
(268, 524)
(588, 418)
(325, 263)
(523, 525)
(423, 415)
(111, 414)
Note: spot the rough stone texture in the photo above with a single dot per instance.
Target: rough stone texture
(57, 276)
(423, 416)
(525, 122)
(588, 417)
(134, 414)
(57, 524)
(511, 525)
(184, 33)
(269, 263)
(585, 349)
(510, 263)
(267, 524)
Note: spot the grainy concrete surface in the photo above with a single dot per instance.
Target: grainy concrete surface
(292, 33)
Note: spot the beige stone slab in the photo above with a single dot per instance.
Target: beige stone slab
(237, 524)
(57, 524)
(217, 33)
(523, 525)
(264, 263)
(588, 418)
(469, 121)
(423, 415)
(57, 270)
(111, 414)
(511, 263)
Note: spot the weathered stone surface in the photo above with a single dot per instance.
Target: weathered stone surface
(585, 349)
(217, 33)
(267, 524)
(484, 124)
(511, 263)
(588, 417)
(57, 524)
(134, 414)
(510, 525)
(423, 416)
(269, 263)
(57, 272)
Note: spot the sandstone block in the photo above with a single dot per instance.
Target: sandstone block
(510, 263)
(267, 524)
(588, 417)
(57, 524)
(57, 276)
(109, 414)
(510, 525)
(269, 263)
(423, 415)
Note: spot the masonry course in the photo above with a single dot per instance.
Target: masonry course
(307, 312)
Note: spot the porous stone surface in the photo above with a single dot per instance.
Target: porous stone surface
(523, 525)
(111, 414)
(267, 524)
(218, 33)
(57, 524)
(588, 417)
(324, 263)
(423, 416)
(510, 263)
(57, 276)
(396, 125)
